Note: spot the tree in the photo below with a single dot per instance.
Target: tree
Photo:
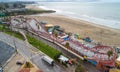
(79, 68)
(109, 53)
(28, 65)
(67, 45)
(56, 35)
(70, 34)
(57, 56)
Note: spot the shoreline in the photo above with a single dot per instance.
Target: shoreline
(77, 19)
(106, 35)
(35, 7)
(101, 22)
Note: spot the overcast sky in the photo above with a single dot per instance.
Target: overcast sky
(69, 0)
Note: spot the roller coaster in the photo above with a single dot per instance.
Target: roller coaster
(96, 53)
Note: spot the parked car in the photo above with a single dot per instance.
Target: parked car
(1, 69)
(19, 62)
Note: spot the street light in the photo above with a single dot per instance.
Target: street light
(14, 43)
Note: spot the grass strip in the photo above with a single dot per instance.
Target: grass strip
(7, 30)
(43, 47)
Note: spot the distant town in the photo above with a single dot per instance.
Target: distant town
(18, 8)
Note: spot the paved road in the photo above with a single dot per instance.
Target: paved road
(27, 52)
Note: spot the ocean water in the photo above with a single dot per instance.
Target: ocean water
(107, 14)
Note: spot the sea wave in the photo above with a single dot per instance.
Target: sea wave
(57, 10)
(43, 7)
(105, 22)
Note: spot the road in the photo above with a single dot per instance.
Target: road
(30, 53)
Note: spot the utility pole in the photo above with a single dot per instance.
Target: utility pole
(14, 43)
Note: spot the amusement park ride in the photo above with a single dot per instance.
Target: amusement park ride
(98, 54)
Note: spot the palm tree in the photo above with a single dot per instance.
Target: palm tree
(69, 33)
(28, 65)
(56, 35)
(109, 53)
(67, 45)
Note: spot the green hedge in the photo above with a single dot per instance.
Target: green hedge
(15, 34)
(4, 28)
(43, 47)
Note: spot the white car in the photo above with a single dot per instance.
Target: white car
(1, 70)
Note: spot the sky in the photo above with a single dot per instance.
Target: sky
(69, 0)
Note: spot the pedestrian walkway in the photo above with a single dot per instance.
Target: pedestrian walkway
(12, 66)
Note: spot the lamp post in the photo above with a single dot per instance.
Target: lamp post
(14, 44)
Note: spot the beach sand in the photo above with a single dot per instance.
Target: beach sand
(106, 35)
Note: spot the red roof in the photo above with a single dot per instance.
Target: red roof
(25, 70)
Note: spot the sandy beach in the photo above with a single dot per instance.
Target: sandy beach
(106, 35)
